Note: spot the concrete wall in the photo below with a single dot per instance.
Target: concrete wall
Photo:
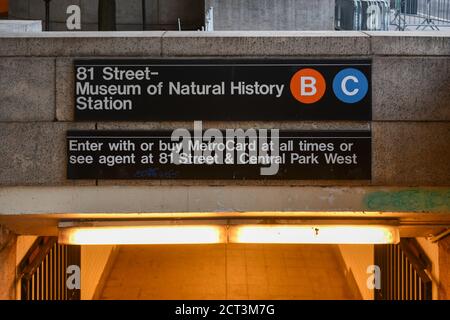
(24, 243)
(160, 14)
(411, 100)
(272, 14)
(96, 262)
(8, 242)
(410, 128)
(356, 259)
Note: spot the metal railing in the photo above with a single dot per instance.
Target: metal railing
(371, 15)
(404, 272)
(43, 271)
(420, 14)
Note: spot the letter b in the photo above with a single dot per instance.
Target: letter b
(307, 86)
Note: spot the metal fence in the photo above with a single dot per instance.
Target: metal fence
(42, 272)
(405, 271)
(420, 14)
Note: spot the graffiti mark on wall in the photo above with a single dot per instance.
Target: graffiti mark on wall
(409, 200)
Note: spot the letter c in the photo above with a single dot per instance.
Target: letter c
(344, 86)
(350, 85)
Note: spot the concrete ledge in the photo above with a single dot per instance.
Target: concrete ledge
(35, 153)
(180, 201)
(410, 43)
(63, 44)
(221, 43)
(411, 88)
(282, 125)
(258, 43)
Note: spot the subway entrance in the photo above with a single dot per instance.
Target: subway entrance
(52, 270)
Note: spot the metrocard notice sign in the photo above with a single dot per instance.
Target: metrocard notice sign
(235, 154)
(222, 89)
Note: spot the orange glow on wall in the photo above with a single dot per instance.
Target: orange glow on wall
(3, 6)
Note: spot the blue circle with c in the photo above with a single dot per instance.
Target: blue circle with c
(350, 85)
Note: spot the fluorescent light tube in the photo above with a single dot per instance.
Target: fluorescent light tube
(173, 234)
(324, 234)
(219, 233)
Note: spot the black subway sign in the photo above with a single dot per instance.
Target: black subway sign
(222, 89)
(239, 154)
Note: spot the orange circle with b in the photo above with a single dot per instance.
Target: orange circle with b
(308, 86)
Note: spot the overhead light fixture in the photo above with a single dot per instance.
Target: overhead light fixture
(322, 234)
(209, 232)
(172, 234)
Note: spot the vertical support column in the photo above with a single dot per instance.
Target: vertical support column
(47, 15)
(107, 15)
(8, 242)
(144, 17)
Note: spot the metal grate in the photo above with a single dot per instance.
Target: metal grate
(403, 269)
(43, 271)
(420, 14)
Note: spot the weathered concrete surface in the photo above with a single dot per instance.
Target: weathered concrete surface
(259, 43)
(409, 89)
(27, 89)
(410, 43)
(410, 199)
(411, 153)
(81, 44)
(272, 14)
(226, 201)
(34, 153)
(225, 43)
(7, 264)
(65, 89)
